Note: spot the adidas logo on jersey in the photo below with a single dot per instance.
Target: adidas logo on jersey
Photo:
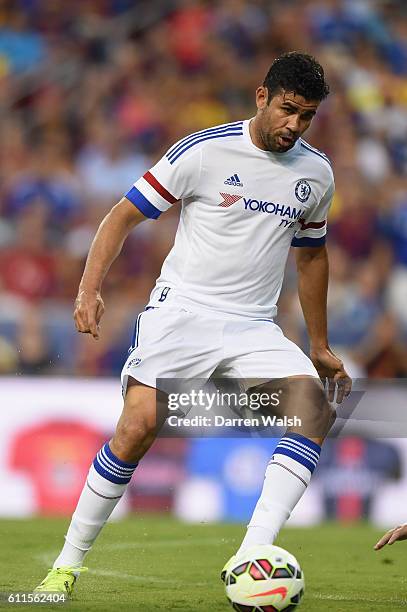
(234, 181)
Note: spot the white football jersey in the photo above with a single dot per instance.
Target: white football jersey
(241, 210)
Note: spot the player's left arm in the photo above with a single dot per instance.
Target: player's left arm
(313, 273)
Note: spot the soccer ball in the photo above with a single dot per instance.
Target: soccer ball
(264, 579)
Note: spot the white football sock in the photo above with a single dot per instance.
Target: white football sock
(287, 476)
(107, 480)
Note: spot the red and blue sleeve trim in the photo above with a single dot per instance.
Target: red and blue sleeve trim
(164, 193)
(308, 242)
(312, 225)
(140, 201)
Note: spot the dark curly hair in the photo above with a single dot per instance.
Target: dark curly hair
(299, 73)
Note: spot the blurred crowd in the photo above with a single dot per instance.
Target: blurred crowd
(94, 91)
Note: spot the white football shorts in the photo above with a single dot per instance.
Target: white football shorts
(172, 342)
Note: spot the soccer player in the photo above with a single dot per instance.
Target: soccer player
(393, 535)
(249, 190)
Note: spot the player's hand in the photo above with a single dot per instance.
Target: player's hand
(330, 367)
(393, 535)
(89, 309)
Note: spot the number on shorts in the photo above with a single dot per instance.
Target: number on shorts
(164, 294)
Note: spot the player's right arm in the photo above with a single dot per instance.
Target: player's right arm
(173, 177)
(106, 246)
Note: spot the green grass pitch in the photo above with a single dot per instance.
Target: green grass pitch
(157, 563)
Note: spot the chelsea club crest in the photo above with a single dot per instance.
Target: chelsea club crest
(302, 190)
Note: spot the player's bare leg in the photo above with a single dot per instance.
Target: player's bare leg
(138, 425)
(106, 482)
(289, 472)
